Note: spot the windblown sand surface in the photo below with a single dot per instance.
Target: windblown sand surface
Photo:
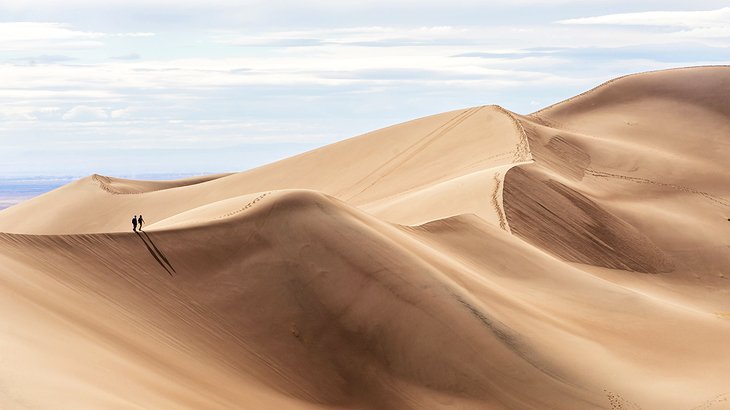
(574, 258)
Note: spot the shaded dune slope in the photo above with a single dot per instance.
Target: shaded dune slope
(318, 303)
(631, 174)
(471, 259)
(287, 299)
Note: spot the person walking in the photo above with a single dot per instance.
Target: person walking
(140, 221)
(134, 224)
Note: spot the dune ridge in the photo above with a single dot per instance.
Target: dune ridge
(613, 80)
(576, 257)
(120, 186)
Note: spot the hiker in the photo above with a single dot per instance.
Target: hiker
(140, 221)
(134, 224)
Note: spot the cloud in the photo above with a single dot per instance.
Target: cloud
(121, 113)
(35, 35)
(131, 56)
(669, 53)
(309, 72)
(137, 34)
(85, 113)
(25, 113)
(688, 19)
(21, 36)
(43, 59)
(681, 25)
(455, 39)
(372, 36)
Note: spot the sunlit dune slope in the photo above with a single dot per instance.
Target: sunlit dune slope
(437, 164)
(577, 257)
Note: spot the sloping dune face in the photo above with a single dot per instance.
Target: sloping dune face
(572, 258)
(631, 175)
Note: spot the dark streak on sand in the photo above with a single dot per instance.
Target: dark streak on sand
(511, 341)
(156, 253)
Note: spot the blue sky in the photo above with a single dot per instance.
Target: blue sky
(161, 86)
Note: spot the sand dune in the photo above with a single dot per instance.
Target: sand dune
(409, 159)
(577, 257)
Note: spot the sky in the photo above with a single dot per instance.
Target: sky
(131, 87)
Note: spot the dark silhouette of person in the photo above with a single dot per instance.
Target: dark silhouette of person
(134, 224)
(140, 221)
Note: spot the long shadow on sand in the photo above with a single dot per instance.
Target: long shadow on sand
(156, 253)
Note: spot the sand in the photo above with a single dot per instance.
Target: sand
(577, 257)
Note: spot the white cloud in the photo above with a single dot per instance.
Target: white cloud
(28, 31)
(207, 82)
(33, 35)
(24, 113)
(22, 36)
(139, 34)
(436, 39)
(330, 66)
(121, 113)
(85, 113)
(688, 19)
(364, 36)
(130, 56)
(686, 25)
